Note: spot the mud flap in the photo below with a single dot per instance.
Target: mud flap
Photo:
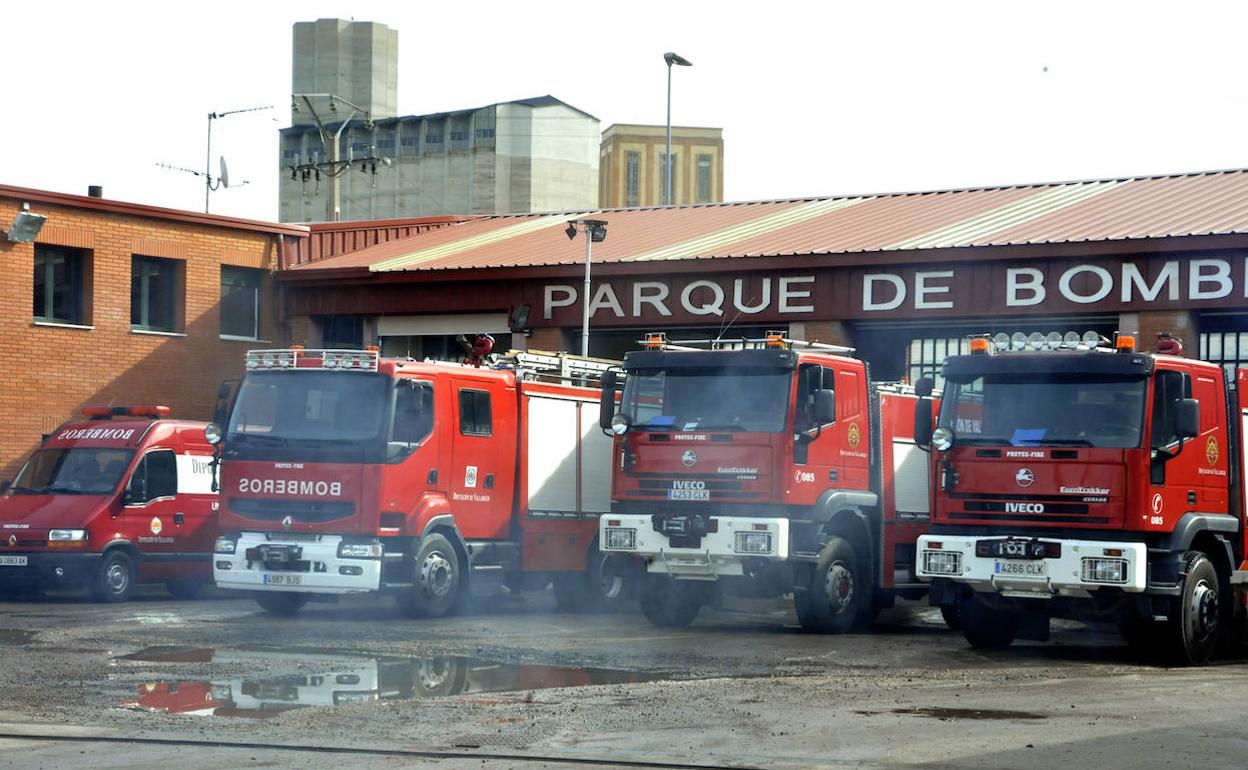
(1033, 625)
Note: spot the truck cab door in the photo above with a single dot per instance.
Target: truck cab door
(1185, 473)
(482, 458)
(150, 502)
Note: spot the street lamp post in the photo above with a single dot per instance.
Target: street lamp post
(595, 232)
(670, 58)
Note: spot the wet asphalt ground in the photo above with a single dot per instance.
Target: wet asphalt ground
(215, 683)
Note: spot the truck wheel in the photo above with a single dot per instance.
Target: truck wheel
(670, 603)
(837, 598)
(184, 589)
(985, 626)
(603, 587)
(281, 603)
(952, 617)
(116, 577)
(1193, 631)
(436, 580)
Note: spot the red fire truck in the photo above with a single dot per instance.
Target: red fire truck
(777, 467)
(344, 472)
(1082, 481)
(121, 498)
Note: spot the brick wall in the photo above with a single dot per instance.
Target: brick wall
(49, 372)
(1180, 323)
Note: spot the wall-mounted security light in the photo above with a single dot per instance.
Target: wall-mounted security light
(26, 225)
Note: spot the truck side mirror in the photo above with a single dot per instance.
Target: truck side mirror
(606, 399)
(1187, 418)
(923, 421)
(825, 406)
(923, 388)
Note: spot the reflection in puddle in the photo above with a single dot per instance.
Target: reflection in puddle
(937, 712)
(340, 680)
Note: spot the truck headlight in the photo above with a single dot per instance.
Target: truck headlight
(67, 535)
(212, 434)
(751, 542)
(225, 544)
(366, 550)
(942, 562)
(1104, 570)
(942, 439)
(620, 539)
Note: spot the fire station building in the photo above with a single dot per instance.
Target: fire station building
(904, 278)
(113, 303)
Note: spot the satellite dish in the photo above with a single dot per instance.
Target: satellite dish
(224, 176)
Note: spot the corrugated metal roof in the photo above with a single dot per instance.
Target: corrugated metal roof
(1069, 212)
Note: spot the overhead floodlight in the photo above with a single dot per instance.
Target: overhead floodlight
(1001, 341)
(1071, 340)
(1092, 339)
(598, 233)
(1035, 341)
(1053, 340)
(26, 225)
(1018, 341)
(675, 58)
(571, 231)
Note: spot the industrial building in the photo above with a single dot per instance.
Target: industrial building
(631, 171)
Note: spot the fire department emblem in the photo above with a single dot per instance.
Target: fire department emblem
(287, 522)
(1211, 450)
(12, 540)
(1024, 477)
(689, 458)
(156, 526)
(854, 435)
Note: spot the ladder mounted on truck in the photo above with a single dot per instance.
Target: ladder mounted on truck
(559, 367)
(659, 341)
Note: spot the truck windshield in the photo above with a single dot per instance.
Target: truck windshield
(752, 400)
(1045, 410)
(84, 471)
(310, 408)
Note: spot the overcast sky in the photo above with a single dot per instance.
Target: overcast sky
(814, 98)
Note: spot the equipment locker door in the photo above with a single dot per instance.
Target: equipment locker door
(483, 458)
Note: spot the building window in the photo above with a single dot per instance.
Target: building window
(485, 133)
(409, 139)
(474, 413)
(343, 332)
(632, 175)
(59, 279)
(704, 178)
(291, 145)
(240, 302)
(385, 141)
(154, 290)
(1228, 348)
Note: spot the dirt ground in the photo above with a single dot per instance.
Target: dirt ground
(215, 683)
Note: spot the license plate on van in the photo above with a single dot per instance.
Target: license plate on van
(12, 561)
(1015, 568)
(283, 580)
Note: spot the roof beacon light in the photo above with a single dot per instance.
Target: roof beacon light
(1125, 343)
(776, 340)
(980, 345)
(656, 340)
(105, 412)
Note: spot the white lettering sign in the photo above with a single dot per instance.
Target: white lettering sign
(306, 487)
(868, 291)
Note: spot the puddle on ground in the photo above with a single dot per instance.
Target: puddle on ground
(337, 680)
(937, 712)
(16, 636)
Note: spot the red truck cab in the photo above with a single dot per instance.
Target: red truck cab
(1087, 482)
(776, 468)
(123, 498)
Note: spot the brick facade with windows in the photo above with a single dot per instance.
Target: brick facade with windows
(86, 348)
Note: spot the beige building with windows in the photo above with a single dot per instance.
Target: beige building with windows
(630, 165)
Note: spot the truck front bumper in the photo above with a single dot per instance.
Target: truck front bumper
(724, 549)
(48, 569)
(268, 562)
(1074, 568)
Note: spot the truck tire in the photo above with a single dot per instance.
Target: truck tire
(184, 590)
(116, 577)
(986, 627)
(952, 616)
(1193, 630)
(436, 580)
(670, 603)
(603, 587)
(837, 598)
(281, 603)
